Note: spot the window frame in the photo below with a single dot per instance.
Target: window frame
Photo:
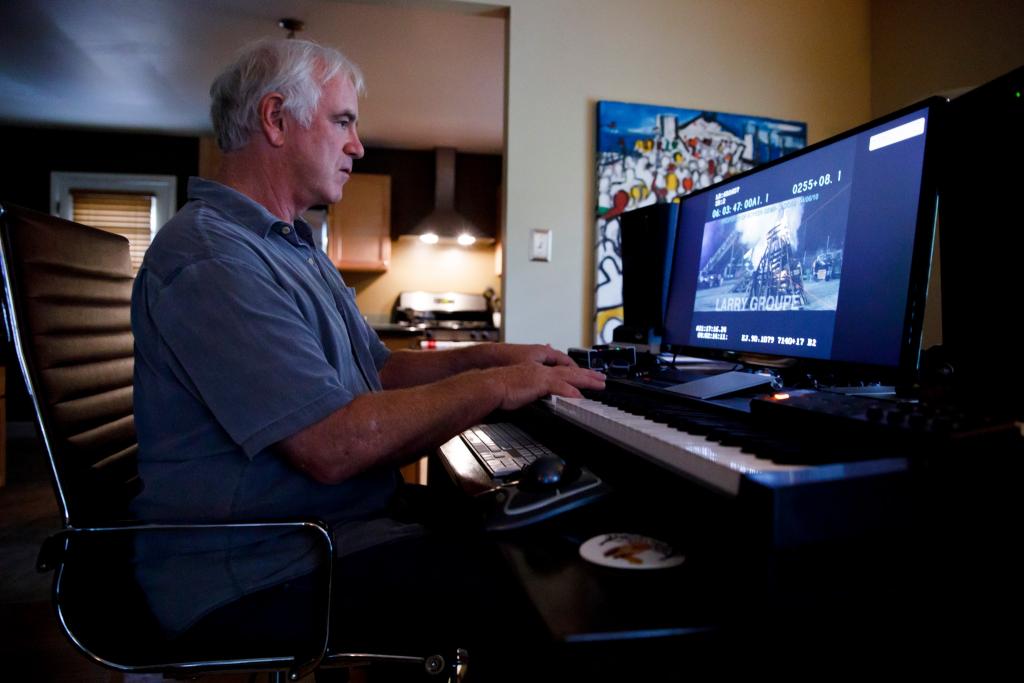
(163, 187)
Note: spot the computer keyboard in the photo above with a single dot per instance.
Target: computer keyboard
(503, 449)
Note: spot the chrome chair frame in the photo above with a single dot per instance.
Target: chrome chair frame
(54, 553)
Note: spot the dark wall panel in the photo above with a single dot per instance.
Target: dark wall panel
(30, 154)
(477, 183)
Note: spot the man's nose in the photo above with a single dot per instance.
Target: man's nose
(354, 146)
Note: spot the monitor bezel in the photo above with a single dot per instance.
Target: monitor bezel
(920, 268)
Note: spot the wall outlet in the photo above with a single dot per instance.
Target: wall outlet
(540, 245)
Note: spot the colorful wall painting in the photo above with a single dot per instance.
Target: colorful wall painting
(648, 153)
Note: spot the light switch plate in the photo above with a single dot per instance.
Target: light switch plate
(540, 245)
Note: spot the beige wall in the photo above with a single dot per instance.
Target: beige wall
(415, 265)
(930, 47)
(796, 59)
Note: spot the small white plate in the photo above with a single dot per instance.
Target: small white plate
(630, 551)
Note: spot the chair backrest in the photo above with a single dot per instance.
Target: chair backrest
(68, 297)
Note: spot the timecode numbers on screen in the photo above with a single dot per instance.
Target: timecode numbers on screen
(716, 332)
(783, 341)
(824, 180)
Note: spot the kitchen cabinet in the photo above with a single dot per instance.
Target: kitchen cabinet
(359, 225)
(415, 472)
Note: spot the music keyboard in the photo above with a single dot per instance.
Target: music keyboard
(720, 466)
(789, 503)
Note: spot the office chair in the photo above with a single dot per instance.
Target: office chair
(67, 295)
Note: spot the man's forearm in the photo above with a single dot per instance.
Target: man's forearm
(391, 426)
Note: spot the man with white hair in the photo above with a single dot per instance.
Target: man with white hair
(260, 391)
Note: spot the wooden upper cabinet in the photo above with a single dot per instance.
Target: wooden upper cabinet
(359, 226)
(209, 157)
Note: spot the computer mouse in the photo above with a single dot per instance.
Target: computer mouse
(547, 472)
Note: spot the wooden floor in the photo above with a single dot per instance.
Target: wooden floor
(32, 648)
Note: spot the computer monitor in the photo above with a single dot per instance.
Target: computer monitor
(821, 256)
(980, 235)
(646, 237)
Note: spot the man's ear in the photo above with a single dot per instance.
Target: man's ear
(272, 119)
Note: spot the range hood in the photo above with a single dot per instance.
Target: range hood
(446, 224)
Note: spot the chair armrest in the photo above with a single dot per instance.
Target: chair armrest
(53, 549)
(82, 550)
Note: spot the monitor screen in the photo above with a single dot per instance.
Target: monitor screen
(823, 254)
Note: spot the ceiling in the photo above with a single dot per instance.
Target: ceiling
(435, 71)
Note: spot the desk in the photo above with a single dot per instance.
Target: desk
(900, 595)
(3, 425)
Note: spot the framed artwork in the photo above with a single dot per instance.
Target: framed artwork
(648, 153)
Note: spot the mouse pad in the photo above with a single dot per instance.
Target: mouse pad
(630, 551)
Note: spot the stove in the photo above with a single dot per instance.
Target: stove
(446, 318)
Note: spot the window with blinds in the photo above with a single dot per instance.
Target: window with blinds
(128, 215)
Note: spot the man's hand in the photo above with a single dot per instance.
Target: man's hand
(513, 354)
(526, 382)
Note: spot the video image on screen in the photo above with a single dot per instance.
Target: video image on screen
(812, 256)
(775, 258)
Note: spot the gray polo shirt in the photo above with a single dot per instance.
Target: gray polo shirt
(245, 334)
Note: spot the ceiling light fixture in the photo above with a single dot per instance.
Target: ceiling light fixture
(429, 237)
(291, 25)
